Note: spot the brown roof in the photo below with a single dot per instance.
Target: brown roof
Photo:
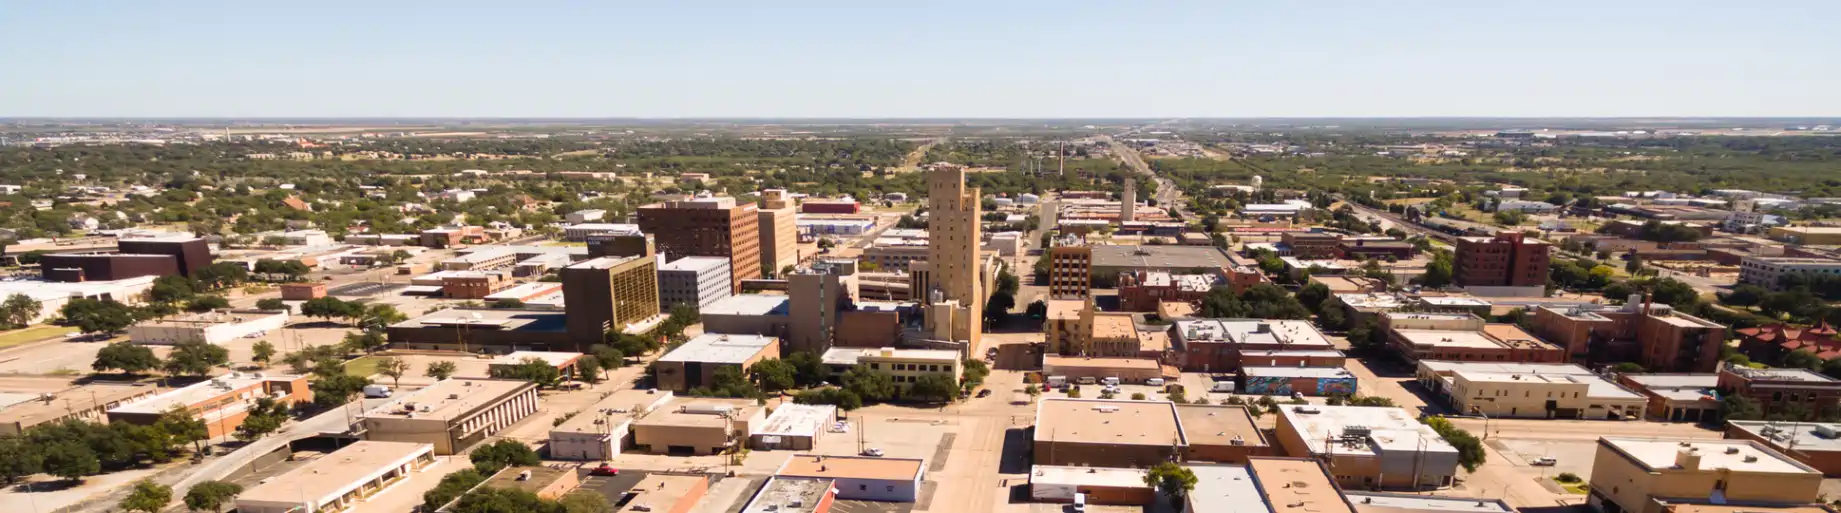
(1108, 422)
(1114, 326)
(662, 492)
(1297, 485)
(1218, 425)
(850, 467)
(1076, 361)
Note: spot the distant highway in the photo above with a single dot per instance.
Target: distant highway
(1166, 194)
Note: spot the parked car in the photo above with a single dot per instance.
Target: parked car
(1544, 462)
(604, 470)
(873, 452)
(376, 391)
(984, 392)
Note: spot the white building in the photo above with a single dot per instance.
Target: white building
(1368, 446)
(586, 216)
(794, 427)
(694, 281)
(1527, 207)
(337, 480)
(210, 327)
(601, 431)
(1768, 272)
(581, 232)
(835, 226)
(297, 238)
(53, 295)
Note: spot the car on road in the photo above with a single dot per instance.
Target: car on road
(984, 392)
(1544, 462)
(874, 452)
(604, 470)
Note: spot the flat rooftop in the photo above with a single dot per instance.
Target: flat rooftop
(720, 348)
(202, 391)
(448, 399)
(62, 403)
(1107, 477)
(1446, 366)
(1370, 299)
(1659, 381)
(792, 419)
(554, 358)
(1390, 429)
(1101, 421)
(523, 290)
(662, 492)
(1288, 333)
(1656, 454)
(780, 494)
(336, 473)
(213, 318)
(1596, 387)
(749, 304)
(1065, 308)
(1804, 436)
(699, 412)
(695, 264)
(1297, 372)
(1218, 425)
(1159, 257)
(1100, 362)
(851, 467)
(1225, 489)
(1114, 326)
(621, 405)
(541, 477)
(1370, 502)
(1782, 374)
(1292, 485)
(489, 318)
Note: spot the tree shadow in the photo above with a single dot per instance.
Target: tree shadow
(52, 486)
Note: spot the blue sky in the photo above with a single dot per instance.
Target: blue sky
(920, 59)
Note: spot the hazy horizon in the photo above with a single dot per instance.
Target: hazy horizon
(953, 60)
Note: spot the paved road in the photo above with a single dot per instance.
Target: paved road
(1166, 194)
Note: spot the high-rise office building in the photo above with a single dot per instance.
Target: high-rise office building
(779, 231)
(609, 292)
(1507, 260)
(1128, 201)
(955, 301)
(1070, 268)
(716, 227)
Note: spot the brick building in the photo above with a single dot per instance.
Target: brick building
(1465, 338)
(1506, 260)
(1771, 342)
(1070, 268)
(1654, 336)
(1783, 391)
(716, 227)
(1141, 291)
(1310, 244)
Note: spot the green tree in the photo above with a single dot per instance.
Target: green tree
(1802, 359)
(871, 385)
(128, 357)
(171, 289)
(393, 367)
(271, 304)
(1171, 480)
(93, 316)
(450, 487)
(1007, 283)
(490, 458)
(998, 307)
(1038, 309)
(1635, 264)
(531, 369)
(440, 369)
(502, 500)
(206, 303)
(1313, 295)
(263, 352)
(329, 308)
(1745, 295)
(265, 417)
(1470, 452)
(147, 497)
(1738, 407)
(773, 374)
(329, 391)
(808, 368)
(585, 503)
(609, 357)
(975, 372)
(376, 317)
(19, 310)
(211, 495)
(18, 459)
(195, 358)
(588, 369)
(1628, 368)
(1438, 272)
(1832, 368)
(933, 388)
(841, 398)
(70, 460)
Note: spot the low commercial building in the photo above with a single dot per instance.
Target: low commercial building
(1769, 272)
(1352, 249)
(1103, 486)
(1320, 358)
(1676, 397)
(543, 481)
(1653, 335)
(89, 403)
(1308, 244)
(1375, 502)
(302, 291)
(1564, 395)
(1128, 370)
(698, 426)
(1234, 489)
(526, 293)
(1285, 381)
(1800, 393)
(793, 495)
(605, 429)
(748, 314)
(474, 284)
(1816, 444)
(1631, 475)
(694, 281)
(1142, 291)
(1220, 345)
(666, 493)
(1807, 235)
(906, 366)
(53, 295)
(860, 478)
(1108, 261)
(580, 232)
(221, 402)
(695, 363)
(563, 362)
(1464, 337)
(793, 427)
(1221, 434)
(215, 327)
(451, 414)
(337, 480)
(1107, 433)
(475, 329)
(1369, 447)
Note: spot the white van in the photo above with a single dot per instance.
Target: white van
(1156, 382)
(1110, 381)
(376, 391)
(1222, 387)
(1057, 381)
(1080, 503)
(1086, 380)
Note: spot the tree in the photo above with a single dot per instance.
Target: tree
(1038, 309)
(128, 357)
(808, 368)
(1331, 316)
(148, 497)
(1739, 407)
(330, 308)
(1007, 283)
(998, 307)
(588, 369)
(585, 503)
(171, 289)
(271, 304)
(93, 316)
(974, 373)
(728, 382)
(206, 303)
(393, 367)
(531, 369)
(1171, 480)
(265, 417)
(1438, 272)
(933, 388)
(70, 460)
(376, 317)
(609, 357)
(451, 486)
(492, 457)
(195, 358)
(1745, 295)
(364, 341)
(264, 352)
(773, 374)
(211, 495)
(439, 370)
(1832, 368)
(1802, 359)
(19, 459)
(331, 391)
(1635, 264)
(508, 304)
(19, 310)
(873, 386)
(502, 500)
(1470, 452)
(1628, 368)
(841, 398)
(1313, 295)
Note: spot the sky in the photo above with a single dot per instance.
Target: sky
(876, 59)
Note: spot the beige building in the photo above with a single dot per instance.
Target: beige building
(1646, 475)
(1807, 235)
(1070, 268)
(451, 414)
(1564, 391)
(698, 426)
(337, 480)
(87, 403)
(695, 363)
(954, 299)
(606, 428)
(1369, 447)
(779, 231)
(907, 366)
(1078, 328)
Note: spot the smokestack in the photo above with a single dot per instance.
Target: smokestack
(1061, 154)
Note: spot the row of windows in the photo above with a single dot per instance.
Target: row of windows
(915, 367)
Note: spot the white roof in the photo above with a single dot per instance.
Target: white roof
(1107, 477)
(523, 289)
(554, 358)
(45, 290)
(1596, 387)
(695, 263)
(1226, 489)
(718, 348)
(1297, 372)
(1745, 455)
(198, 392)
(1427, 502)
(798, 420)
(747, 304)
(1388, 429)
(1291, 333)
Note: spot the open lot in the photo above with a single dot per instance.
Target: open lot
(365, 289)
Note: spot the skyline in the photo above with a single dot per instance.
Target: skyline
(955, 60)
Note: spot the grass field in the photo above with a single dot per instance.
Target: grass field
(33, 334)
(363, 367)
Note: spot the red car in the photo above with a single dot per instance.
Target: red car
(604, 470)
